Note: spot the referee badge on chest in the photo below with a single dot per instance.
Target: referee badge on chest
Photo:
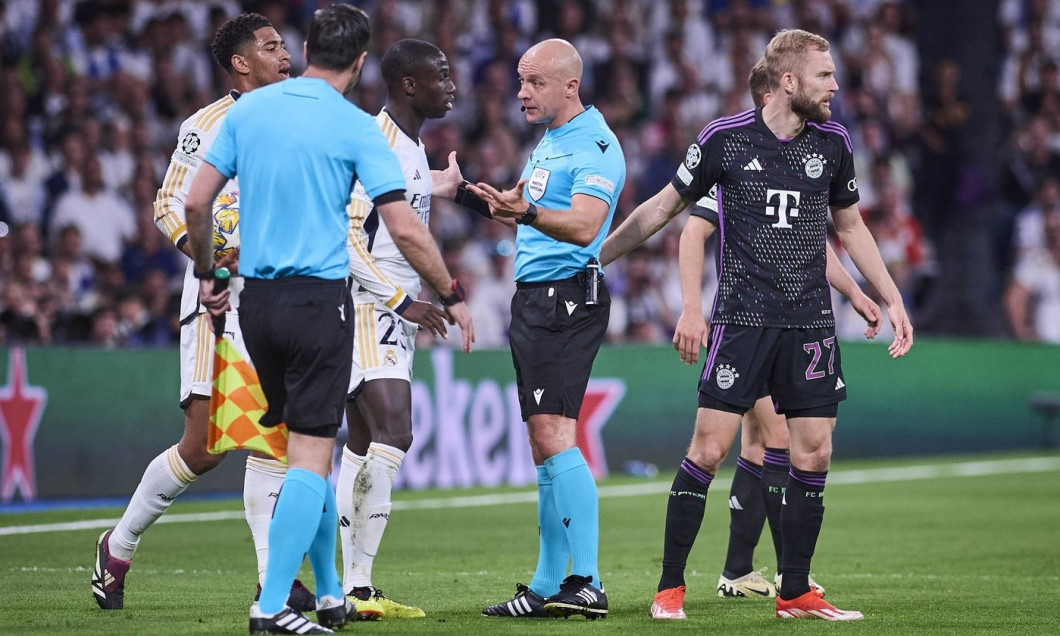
(537, 183)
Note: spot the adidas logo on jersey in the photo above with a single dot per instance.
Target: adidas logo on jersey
(839, 383)
(753, 165)
(416, 177)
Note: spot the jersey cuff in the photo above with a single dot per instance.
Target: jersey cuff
(403, 305)
(181, 241)
(389, 197)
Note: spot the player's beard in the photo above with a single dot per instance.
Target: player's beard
(809, 110)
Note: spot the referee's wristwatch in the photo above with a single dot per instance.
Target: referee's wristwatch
(455, 297)
(207, 275)
(529, 216)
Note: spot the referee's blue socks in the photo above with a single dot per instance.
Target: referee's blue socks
(553, 553)
(303, 497)
(578, 506)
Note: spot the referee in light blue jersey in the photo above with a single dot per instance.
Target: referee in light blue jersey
(563, 206)
(295, 147)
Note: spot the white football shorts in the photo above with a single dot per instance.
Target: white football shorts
(196, 338)
(383, 345)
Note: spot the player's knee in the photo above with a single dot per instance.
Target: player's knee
(197, 459)
(816, 459)
(401, 440)
(707, 456)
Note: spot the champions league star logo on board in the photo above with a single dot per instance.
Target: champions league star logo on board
(21, 407)
(726, 376)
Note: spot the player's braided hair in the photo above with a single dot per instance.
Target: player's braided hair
(234, 35)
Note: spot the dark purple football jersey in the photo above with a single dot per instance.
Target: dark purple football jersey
(773, 197)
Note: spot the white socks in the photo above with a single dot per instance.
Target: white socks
(261, 487)
(349, 466)
(165, 478)
(363, 495)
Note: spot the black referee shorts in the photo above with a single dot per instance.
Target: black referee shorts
(800, 368)
(299, 333)
(554, 337)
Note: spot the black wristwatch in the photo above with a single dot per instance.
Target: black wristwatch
(207, 275)
(529, 216)
(455, 297)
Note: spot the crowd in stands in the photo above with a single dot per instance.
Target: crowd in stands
(92, 93)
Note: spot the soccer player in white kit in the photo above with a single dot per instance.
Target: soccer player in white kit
(379, 410)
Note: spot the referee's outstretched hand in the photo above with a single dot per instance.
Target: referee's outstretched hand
(507, 204)
(427, 316)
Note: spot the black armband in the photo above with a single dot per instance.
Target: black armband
(455, 297)
(529, 216)
(207, 275)
(471, 201)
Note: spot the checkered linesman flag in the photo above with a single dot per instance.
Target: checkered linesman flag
(237, 404)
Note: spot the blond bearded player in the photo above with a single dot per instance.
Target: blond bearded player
(252, 52)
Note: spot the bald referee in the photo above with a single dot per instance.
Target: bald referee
(562, 206)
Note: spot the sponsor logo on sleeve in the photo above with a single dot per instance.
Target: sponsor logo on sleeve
(684, 175)
(596, 180)
(187, 160)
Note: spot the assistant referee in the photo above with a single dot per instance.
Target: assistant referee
(296, 147)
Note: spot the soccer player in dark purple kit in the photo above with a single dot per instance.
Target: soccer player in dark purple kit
(778, 170)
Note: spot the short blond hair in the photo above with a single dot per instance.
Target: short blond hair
(786, 52)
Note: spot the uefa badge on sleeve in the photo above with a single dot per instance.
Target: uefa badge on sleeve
(693, 156)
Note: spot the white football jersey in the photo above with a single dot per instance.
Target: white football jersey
(197, 134)
(376, 264)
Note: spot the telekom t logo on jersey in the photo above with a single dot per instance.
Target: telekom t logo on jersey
(782, 204)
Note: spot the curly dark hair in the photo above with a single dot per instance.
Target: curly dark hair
(235, 34)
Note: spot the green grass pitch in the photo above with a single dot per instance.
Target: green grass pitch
(956, 545)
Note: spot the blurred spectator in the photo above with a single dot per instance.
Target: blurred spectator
(71, 268)
(1032, 299)
(105, 219)
(66, 175)
(151, 252)
(1028, 233)
(21, 188)
(490, 302)
(901, 242)
(104, 331)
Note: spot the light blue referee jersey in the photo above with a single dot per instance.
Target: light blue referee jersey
(580, 157)
(297, 147)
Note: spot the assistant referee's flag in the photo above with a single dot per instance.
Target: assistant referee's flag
(237, 401)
